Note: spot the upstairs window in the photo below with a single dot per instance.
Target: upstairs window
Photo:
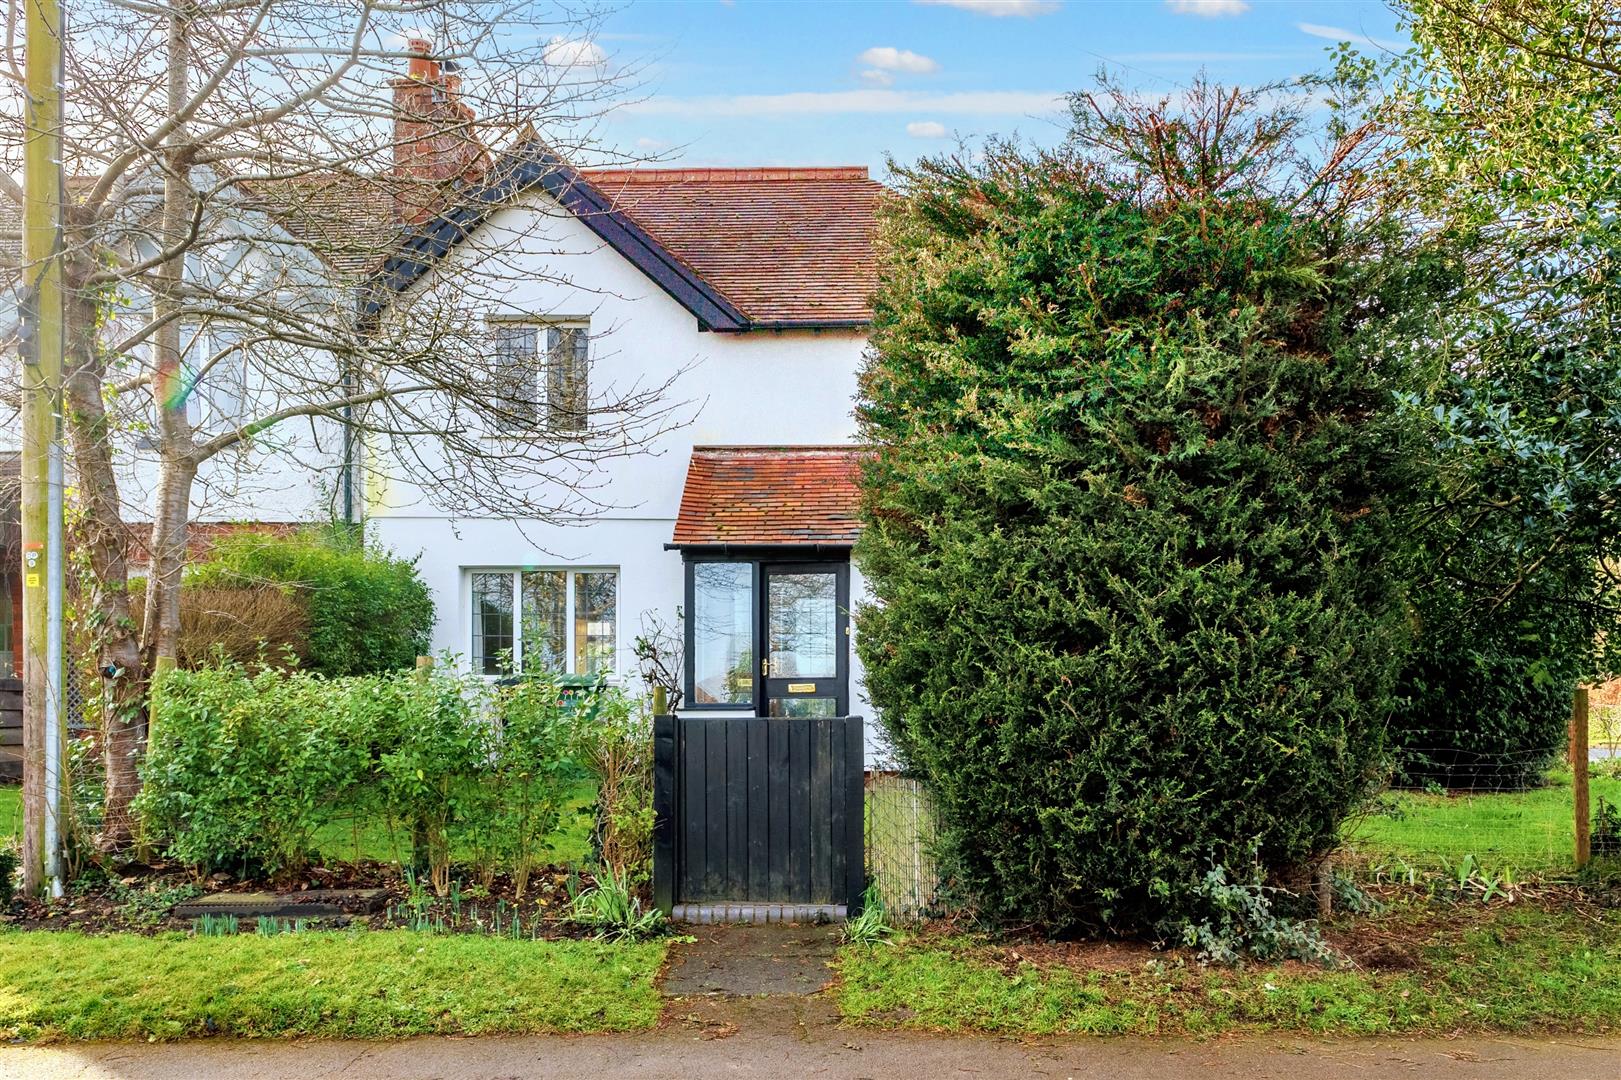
(541, 376)
(563, 621)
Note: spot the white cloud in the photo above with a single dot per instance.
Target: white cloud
(1209, 9)
(645, 143)
(1019, 9)
(889, 58)
(824, 103)
(926, 129)
(574, 52)
(874, 77)
(1355, 37)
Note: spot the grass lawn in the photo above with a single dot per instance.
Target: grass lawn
(1525, 831)
(1507, 968)
(335, 984)
(571, 843)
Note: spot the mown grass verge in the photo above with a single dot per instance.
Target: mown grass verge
(1512, 968)
(56, 986)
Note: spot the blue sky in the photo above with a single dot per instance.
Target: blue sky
(834, 83)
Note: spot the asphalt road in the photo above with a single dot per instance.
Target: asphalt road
(698, 1053)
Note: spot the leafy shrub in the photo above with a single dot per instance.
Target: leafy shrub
(1488, 690)
(616, 747)
(1130, 518)
(9, 864)
(368, 611)
(243, 769)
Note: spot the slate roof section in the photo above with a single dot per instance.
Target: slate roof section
(787, 246)
(770, 495)
(345, 219)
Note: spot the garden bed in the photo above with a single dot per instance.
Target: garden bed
(145, 904)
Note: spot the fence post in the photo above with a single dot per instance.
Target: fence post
(1579, 778)
(665, 795)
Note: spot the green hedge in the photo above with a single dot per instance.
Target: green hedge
(369, 611)
(243, 769)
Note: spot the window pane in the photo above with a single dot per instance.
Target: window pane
(802, 625)
(722, 633)
(568, 350)
(797, 708)
(596, 604)
(514, 351)
(545, 620)
(492, 623)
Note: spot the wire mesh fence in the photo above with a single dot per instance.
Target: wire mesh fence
(901, 830)
(1516, 812)
(1530, 830)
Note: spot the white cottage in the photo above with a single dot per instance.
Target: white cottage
(751, 287)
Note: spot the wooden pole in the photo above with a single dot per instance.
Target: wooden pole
(1579, 777)
(42, 349)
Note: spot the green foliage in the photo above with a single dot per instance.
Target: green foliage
(369, 611)
(215, 926)
(244, 769)
(1239, 921)
(241, 769)
(1509, 157)
(147, 906)
(871, 926)
(1130, 523)
(611, 908)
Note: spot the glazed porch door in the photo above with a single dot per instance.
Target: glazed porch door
(804, 637)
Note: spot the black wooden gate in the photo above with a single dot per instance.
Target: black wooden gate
(756, 810)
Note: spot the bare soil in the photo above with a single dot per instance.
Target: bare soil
(143, 899)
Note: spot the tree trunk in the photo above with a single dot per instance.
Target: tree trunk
(172, 384)
(105, 536)
(168, 547)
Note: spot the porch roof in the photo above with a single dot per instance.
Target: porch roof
(770, 495)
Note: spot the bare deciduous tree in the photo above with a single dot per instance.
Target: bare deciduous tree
(239, 172)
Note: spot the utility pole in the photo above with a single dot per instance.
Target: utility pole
(43, 344)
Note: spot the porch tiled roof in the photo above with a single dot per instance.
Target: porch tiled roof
(770, 495)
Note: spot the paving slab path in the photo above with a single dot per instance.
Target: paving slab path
(743, 1005)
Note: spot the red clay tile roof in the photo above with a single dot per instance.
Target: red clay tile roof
(770, 495)
(785, 246)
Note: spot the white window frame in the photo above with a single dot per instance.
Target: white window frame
(570, 646)
(540, 374)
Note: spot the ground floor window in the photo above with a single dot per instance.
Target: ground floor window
(559, 620)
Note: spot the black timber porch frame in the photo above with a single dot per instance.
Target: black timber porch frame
(755, 810)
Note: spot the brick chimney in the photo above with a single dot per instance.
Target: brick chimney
(435, 142)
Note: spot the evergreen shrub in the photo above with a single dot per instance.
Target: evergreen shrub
(1129, 520)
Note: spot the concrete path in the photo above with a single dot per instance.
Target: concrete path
(835, 1053)
(743, 1006)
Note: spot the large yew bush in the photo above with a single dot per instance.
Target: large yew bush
(1129, 525)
